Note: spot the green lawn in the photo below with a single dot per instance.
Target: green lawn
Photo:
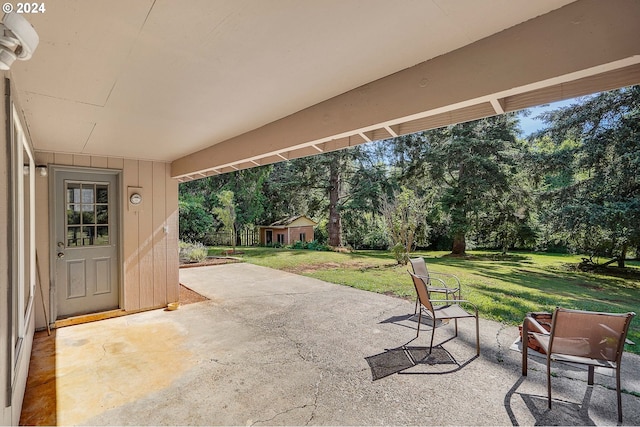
(504, 288)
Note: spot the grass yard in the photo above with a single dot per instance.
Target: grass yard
(504, 288)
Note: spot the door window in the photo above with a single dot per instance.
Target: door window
(87, 221)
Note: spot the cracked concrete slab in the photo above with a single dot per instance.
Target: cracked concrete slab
(274, 348)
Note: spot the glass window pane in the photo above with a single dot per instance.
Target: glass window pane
(88, 216)
(73, 193)
(102, 214)
(102, 194)
(87, 236)
(73, 214)
(88, 193)
(102, 235)
(73, 236)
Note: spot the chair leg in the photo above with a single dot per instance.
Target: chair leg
(619, 393)
(415, 311)
(455, 321)
(590, 375)
(419, 321)
(549, 381)
(525, 346)
(477, 335)
(433, 332)
(525, 349)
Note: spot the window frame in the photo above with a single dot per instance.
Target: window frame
(23, 282)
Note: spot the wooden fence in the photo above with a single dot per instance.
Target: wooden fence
(246, 237)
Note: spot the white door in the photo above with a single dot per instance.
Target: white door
(85, 244)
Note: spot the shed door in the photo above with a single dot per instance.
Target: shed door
(85, 247)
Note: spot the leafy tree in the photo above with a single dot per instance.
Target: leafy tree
(596, 148)
(471, 165)
(195, 222)
(329, 184)
(226, 213)
(405, 218)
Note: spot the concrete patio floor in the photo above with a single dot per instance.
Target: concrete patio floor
(274, 348)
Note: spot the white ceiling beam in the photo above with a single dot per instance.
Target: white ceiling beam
(391, 131)
(497, 105)
(364, 136)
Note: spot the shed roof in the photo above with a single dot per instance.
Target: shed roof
(294, 221)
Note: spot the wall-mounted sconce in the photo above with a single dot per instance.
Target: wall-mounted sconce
(42, 170)
(135, 199)
(136, 196)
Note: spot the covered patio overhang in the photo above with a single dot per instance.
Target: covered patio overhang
(582, 48)
(213, 87)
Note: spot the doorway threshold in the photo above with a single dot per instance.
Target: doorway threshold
(91, 317)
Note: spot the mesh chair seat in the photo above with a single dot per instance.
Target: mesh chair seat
(584, 337)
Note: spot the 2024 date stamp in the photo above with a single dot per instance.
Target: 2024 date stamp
(24, 8)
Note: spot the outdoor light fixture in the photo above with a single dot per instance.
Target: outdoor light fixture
(18, 39)
(42, 170)
(135, 199)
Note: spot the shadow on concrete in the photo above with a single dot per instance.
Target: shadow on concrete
(400, 360)
(564, 413)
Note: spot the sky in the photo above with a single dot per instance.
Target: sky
(530, 124)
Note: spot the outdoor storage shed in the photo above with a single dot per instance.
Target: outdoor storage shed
(288, 231)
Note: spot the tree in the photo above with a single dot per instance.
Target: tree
(227, 213)
(405, 217)
(195, 222)
(329, 184)
(471, 165)
(596, 147)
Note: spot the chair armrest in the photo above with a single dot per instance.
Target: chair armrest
(530, 321)
(452, 276)
(444, 284)
(454, 301)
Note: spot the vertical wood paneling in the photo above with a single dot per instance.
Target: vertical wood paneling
(145, 234)
(115, 163)
(173, 280)
(79, 160)
(149, 254)
(130, 240)
(62, 159)
(99, 162)
(159, 236)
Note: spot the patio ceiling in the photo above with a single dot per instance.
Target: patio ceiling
(215, 86)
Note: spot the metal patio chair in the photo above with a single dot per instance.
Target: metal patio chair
(584, 337)
(420, 269)
(442, 310)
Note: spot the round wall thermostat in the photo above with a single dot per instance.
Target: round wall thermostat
(135, 199)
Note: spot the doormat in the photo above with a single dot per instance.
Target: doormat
(397, 360)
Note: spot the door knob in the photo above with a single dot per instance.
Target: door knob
(60, 255)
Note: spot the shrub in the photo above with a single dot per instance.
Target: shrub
(192, 252)
(312, 246)
(400, 253)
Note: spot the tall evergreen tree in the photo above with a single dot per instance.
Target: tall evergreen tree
(471, 164)
(595, 149)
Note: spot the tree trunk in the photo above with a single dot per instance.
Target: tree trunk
(335, 220)
(623, 256)
(459, 244)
